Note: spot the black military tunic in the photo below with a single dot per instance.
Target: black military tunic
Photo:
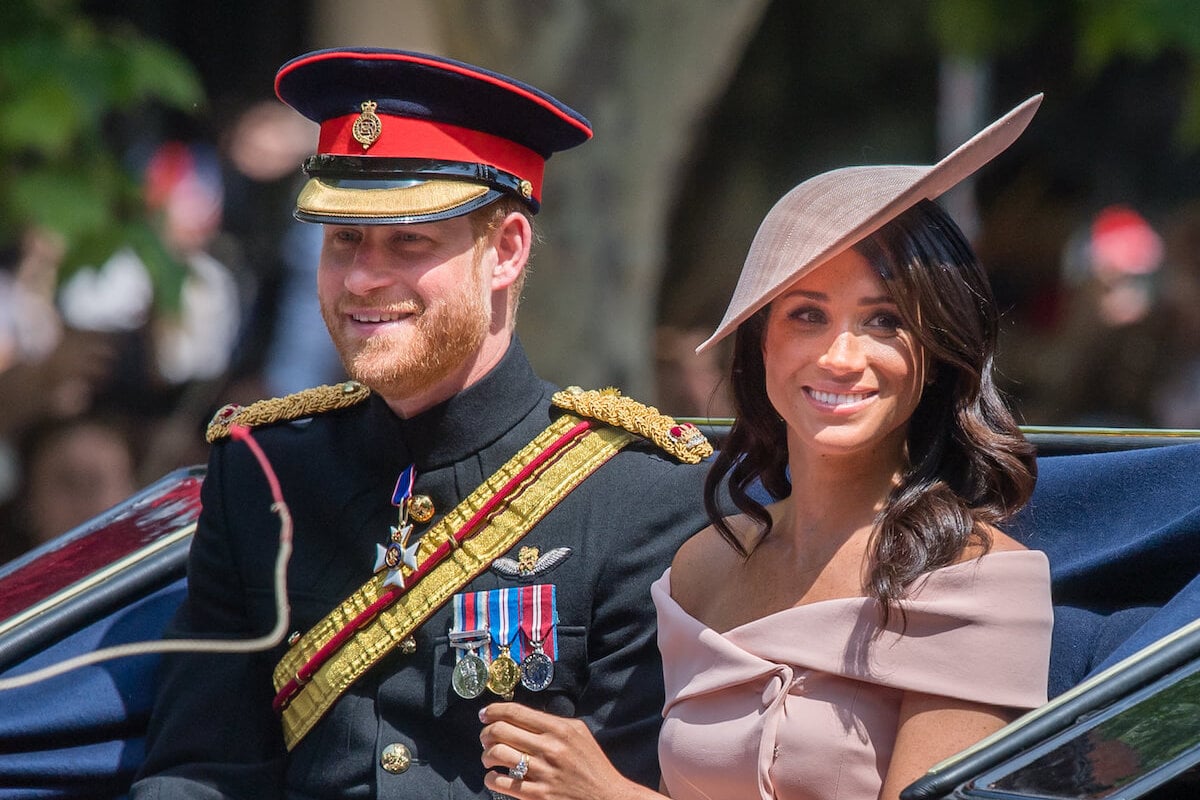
(214, 733)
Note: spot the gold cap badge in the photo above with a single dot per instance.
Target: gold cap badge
(367, 127)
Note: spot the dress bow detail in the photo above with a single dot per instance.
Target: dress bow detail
(782, 682)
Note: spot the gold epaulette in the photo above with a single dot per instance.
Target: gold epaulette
(681, 439)
(283, 409)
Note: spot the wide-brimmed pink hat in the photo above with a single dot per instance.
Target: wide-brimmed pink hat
(834, 210)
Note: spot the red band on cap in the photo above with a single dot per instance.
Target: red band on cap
(405, 137)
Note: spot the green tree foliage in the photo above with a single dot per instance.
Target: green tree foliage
(1105, 31)
(65, 81)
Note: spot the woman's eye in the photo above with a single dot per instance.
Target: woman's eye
(806, 314)
(886, 320)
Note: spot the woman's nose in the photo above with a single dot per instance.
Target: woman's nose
(844, 354)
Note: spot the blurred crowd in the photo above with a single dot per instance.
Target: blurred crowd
(1121, 346)
(106, 379)
(106, 385)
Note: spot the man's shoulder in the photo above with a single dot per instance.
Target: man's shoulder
(681, 441)
(306, 404)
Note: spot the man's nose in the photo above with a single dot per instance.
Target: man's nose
(367, 271)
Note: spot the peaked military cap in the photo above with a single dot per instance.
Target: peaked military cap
(409, 137)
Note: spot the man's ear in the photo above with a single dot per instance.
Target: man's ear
(512, 240)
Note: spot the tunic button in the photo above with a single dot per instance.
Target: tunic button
(420, 508)
(396, 758)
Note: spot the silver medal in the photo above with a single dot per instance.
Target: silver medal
(537, 671)
(470, 676)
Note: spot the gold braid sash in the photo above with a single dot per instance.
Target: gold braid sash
(340, 648)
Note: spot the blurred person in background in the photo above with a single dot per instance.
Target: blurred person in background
(1110, 351)
(47, 370)
(175, 339)
(71, 470)
(286, 346)
(180, 342)
(1176, 396)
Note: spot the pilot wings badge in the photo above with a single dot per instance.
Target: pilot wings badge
(530, 562)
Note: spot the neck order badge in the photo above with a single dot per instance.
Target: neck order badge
(398, 552)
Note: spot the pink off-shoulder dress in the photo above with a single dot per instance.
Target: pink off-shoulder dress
(803, 704)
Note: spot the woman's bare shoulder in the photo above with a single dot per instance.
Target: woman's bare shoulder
(1000, 542)
(707, 557)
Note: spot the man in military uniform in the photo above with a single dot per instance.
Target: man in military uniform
(463, 532)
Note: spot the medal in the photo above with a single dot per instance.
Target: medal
(504, 618)
(503, 674)
(398, 552)
(538, 619)
(470, 675)
(537, 670)
(469, 634)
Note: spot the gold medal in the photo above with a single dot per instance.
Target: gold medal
(503, 675)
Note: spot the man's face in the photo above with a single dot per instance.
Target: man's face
(407, 305)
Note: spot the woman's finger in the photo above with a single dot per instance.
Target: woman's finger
(502, 784)
(520, 716)
(505, 733)
(518, 773)
(502, 755)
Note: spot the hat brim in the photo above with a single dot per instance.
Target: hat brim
(329, 202)
(833, 211)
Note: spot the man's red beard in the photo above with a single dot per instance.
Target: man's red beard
(438, 339)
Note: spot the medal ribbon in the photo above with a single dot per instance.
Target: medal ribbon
(404, 490)
(539, 617)
(470, 614)
(504, 614)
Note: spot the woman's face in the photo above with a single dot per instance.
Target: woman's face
(840, 369)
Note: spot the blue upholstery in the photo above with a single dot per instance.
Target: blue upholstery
(1122, 532)
(80, 734)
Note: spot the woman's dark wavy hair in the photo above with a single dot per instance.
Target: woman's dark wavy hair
(968, 462)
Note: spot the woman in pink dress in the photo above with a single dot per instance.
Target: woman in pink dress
(836, 643)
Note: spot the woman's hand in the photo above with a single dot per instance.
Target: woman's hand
(562, 759)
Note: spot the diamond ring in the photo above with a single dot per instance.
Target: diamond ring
(521, 769)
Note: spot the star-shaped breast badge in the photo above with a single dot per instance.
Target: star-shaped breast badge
(396, 554)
